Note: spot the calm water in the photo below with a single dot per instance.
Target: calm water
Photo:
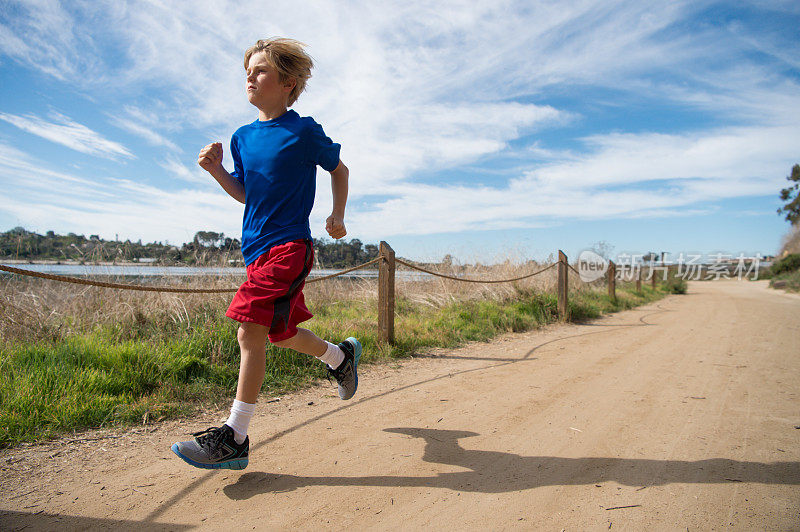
(82, 270)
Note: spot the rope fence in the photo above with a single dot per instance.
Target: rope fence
(338, 274)
(387, 262)
(482, 281)
(166, 289)
(119, 286)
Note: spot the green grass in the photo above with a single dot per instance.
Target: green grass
(788, 264)
(155, 366)
(789, 281)
(785, 272)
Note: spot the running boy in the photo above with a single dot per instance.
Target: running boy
(275, 160)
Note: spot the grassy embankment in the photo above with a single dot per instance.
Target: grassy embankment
(73, 357)
(785, 273)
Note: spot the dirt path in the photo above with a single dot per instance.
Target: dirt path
(678, 415)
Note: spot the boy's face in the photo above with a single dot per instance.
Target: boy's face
(265, 90)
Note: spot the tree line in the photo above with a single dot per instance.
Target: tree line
(207, 248)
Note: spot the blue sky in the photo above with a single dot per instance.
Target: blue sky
(483, 130)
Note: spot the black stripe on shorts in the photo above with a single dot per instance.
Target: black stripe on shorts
(282, 307)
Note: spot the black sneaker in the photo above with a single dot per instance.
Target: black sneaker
(214, 448)
(346, 374)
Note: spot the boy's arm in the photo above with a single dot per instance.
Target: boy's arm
(210, 160)
(335, 222)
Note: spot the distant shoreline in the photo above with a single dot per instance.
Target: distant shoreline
(68, 262)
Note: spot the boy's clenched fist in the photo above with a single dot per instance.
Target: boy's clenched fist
(210, 156)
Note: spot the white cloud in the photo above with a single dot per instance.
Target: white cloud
(625, 176)
(411, 84)
(23, 174)
(47, 37)
(42, 199)
(181, 171)
(151, 136)
(617, 159)
(68, 133)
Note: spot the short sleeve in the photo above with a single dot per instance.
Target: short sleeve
(238, 172)
(321, 149)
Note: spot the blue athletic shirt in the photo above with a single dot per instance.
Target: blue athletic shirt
(276, 161)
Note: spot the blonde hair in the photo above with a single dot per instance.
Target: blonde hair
(288, 57)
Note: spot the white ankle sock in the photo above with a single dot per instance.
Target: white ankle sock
(239, 419)
(333, 357)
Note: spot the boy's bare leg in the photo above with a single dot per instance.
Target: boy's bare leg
(305, 342)
(228, 446)
(252, 343)
(341, 360)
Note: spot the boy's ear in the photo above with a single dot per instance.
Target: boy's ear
(290, 84)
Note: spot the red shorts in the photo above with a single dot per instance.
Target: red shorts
(273, 293)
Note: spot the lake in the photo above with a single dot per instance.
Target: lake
(128, 270)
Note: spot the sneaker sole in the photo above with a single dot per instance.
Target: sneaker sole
(238, 464)
(356, 357)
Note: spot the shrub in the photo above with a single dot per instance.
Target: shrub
(787, 264)
(676, 285)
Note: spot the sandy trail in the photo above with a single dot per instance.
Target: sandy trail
(681, 414)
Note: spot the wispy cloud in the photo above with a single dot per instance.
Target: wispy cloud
(177, 169)
(623, 176)
(68, 133)
(152, 137)
(46, 36)
(45, 199)
(758, 153)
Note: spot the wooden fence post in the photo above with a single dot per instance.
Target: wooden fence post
(612, 280)
(638, 279)
(386, 294)
(653, 277)
(563, 285)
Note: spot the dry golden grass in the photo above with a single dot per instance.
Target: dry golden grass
(33, 308)
(438, 291)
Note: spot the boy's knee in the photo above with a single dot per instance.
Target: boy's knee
(250, 332)
(288, 343)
